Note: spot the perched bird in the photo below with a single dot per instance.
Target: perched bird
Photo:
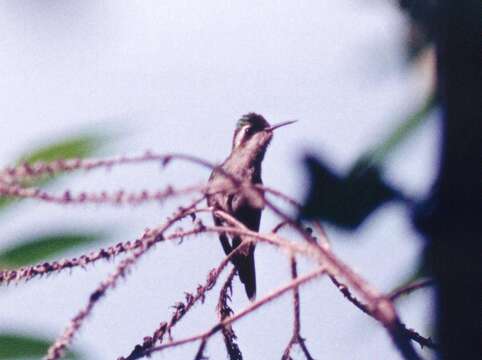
(250, 141)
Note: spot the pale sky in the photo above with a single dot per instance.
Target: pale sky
(175, 76)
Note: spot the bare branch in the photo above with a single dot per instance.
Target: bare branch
(200, 351)
(379, 306)
(120, 197)
(376, 304)
(27, 171)
(254, 306)
(409, 333)
(296, 338)
(408, 289)
(57, 350)
(224, 311)
(29, 272)
(149, 342)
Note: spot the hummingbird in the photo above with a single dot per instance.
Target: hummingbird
(251, 138)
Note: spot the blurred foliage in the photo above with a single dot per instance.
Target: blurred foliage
(38, 248)
(18, 346)
(344, 201)
(347, 200)
(378, 155)
(75, 147)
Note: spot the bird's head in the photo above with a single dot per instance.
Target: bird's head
(254, 133)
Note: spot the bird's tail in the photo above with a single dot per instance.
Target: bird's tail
(247, 272)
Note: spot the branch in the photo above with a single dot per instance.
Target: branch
(409, 333)
(296, 337)
(181, 310)
(224, 311)
(379, 306)
(408, 289)
(29, 272)
(119, 197)
(254, 306)
(27, 171)
(57, 350)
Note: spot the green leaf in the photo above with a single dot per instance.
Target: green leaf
(379, 153)
(37, 249)
(74, 147)
(20, 346)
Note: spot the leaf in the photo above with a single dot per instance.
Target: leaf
(36, 249)
(74, 147)
(379, 154)
(20, 346)
(344, 201)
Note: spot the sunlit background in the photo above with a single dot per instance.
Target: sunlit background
(174, 76)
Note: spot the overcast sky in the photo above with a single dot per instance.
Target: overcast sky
(175, 76)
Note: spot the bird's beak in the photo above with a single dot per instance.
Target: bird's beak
(282, 124)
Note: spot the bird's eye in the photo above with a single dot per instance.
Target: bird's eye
(248, 130)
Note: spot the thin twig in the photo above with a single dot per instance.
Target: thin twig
(149, 342)
(408, 289)
(251, 308)
(57, 350)
(120, 197)
(28, 171)
(224, 311)
(296, 338)
(11, 175)
(409, 333)
(379, 306)
(200, 351)
(28, 272)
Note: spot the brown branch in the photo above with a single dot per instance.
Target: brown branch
(380, 307)
(348, 295)
(182, 308)
(296, 338)
(11, 175)
(119, 197)
(200, 351)
(409, 333)
(254, 306)
(27, 171)
(279, 226)
(57, 349)
(149, 342)
(224, 311)
(28, 272)
(408, 289)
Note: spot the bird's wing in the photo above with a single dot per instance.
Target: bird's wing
(219, 201)
(244, 261)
